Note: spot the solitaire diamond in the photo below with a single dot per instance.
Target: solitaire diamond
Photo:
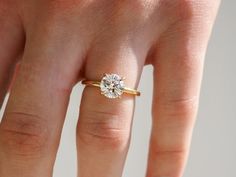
(112, 86)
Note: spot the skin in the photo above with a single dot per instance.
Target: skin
(60, 42)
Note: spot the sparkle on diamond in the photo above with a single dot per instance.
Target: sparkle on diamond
(112, 86)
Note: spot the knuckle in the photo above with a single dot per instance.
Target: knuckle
(174, 153)
(174, 158)
(139, 5)
(105, 130)
(65, 6)
(187, 9)
(23, 134)
(183, 107)
(137, 11)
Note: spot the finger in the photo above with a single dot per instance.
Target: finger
(104, 125)
(33, 120)
(11, 46)
(177, 76)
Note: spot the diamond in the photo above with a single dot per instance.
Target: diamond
(112, 86)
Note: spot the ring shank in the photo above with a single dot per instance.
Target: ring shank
(97, 84)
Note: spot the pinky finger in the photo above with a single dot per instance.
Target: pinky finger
(177, 77)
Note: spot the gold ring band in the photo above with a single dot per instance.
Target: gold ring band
(112, 86)
(97, 84)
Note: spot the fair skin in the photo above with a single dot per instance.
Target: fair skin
(61, 42)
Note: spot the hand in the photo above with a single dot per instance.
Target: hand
(60, 42)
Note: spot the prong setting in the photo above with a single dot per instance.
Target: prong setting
(112, 86)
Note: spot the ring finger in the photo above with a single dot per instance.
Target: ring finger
(104, 125)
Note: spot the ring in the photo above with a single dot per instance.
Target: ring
(112, 86)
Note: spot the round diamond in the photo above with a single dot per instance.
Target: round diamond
(112, 85)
